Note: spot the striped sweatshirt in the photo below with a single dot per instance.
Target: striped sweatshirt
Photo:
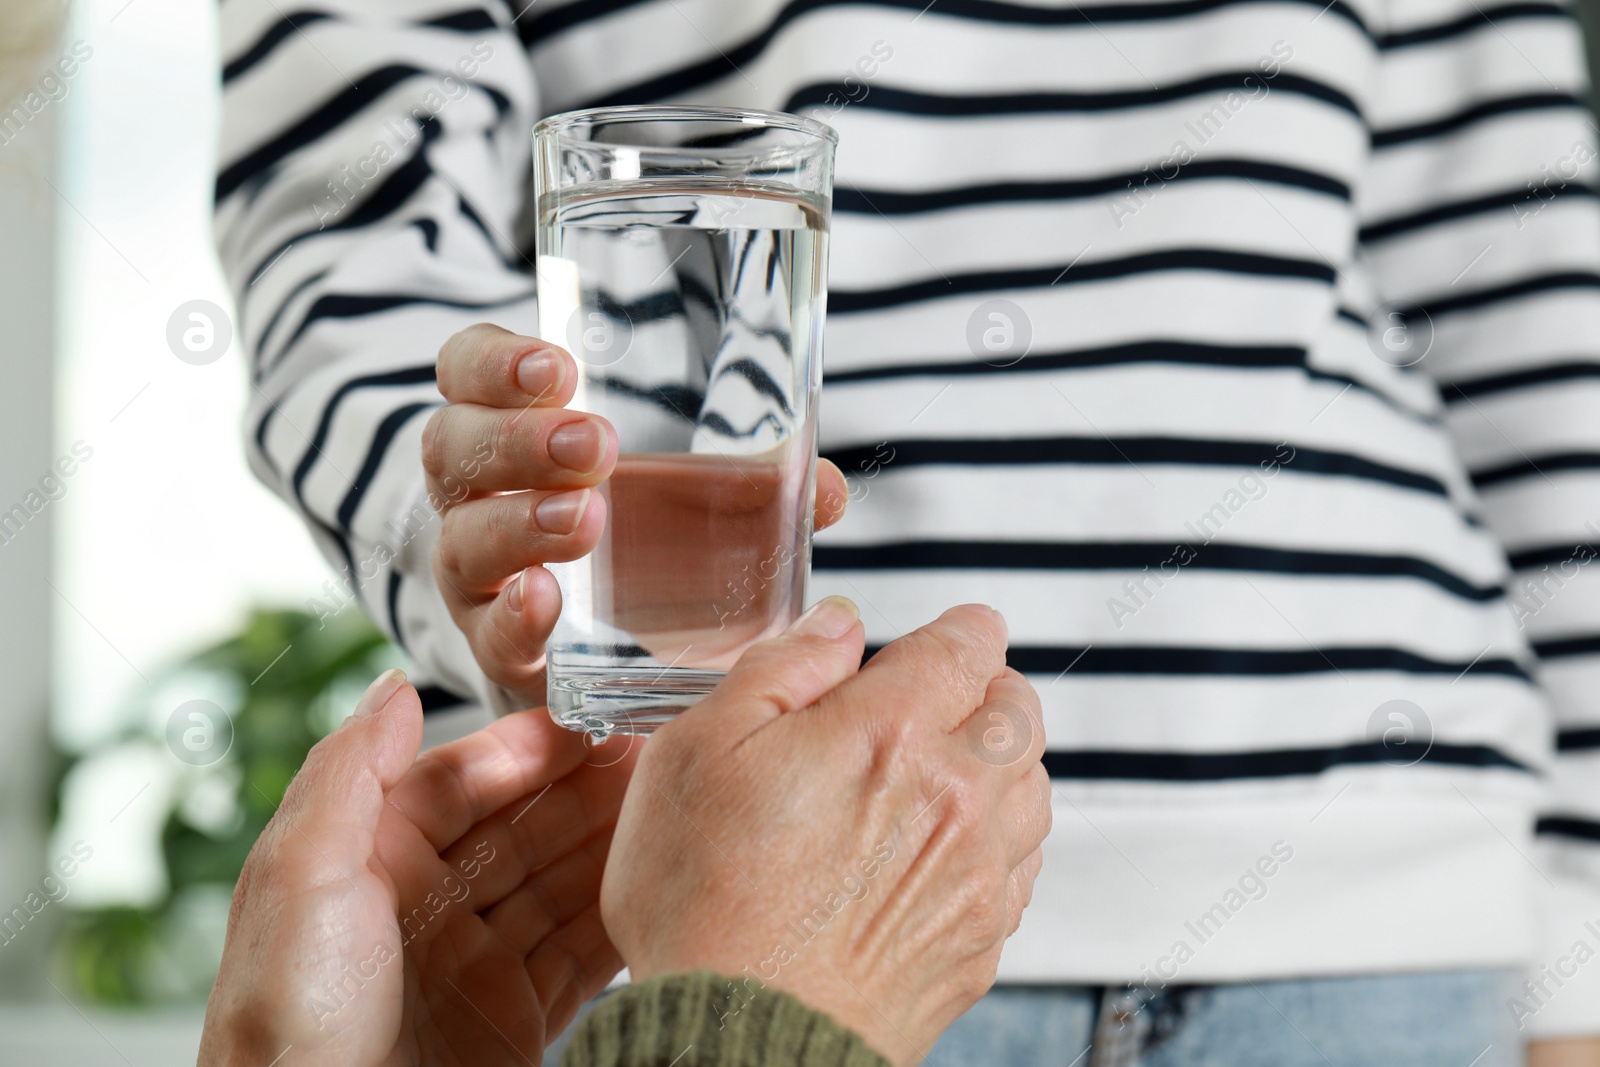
(1244, 353)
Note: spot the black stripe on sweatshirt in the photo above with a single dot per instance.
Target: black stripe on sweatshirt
(437, 698)
(430, 233)
(262, 426)
(404, 376)
(357, 305)
(1575, 552)
(474, 20)
(1507, 198)
(1203, 259)
(1478, 19)
(1280, 763)
(396, 578)
(341, 545)
(468, 20)
(1570, 371)
(277, 316)
(289, 24)
(382, 438)
(1566, 647)
(540, 28)
(536, 31)
(1534, 286)
(1252, 357)
(393, 193)
(986, 105)
(1138, 556)
(332, 114)
(1536, 467)
(891, 202)
(1573, 826)
(729, 62)
(1250, 662)
(1488, 109)
(1586, 739)
(1104, 451)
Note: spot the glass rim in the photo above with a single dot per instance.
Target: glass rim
(558, 124)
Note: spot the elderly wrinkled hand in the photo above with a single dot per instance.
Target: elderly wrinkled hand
(437, 910)
(448, 909)
(864, 840)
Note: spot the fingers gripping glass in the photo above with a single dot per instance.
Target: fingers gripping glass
(682, 260)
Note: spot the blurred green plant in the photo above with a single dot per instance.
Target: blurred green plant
(285, 680)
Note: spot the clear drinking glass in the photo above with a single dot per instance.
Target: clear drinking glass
(682, 260)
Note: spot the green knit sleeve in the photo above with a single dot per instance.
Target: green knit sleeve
(706, 1020)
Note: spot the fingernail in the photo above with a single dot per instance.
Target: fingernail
(830, 617)
(1005, 631)
(563, 512)
(514, 594)
(578, 446)
(378, 693)
(541, 373)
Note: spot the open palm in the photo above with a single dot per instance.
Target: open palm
(496, 845)
(439, 910)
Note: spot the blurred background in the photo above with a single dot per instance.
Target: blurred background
(163, 670)
(162, 680)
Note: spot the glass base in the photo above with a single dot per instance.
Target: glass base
(602, 701)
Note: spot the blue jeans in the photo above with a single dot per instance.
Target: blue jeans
(1449, 1019)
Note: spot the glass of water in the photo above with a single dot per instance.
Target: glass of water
(682, 260)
